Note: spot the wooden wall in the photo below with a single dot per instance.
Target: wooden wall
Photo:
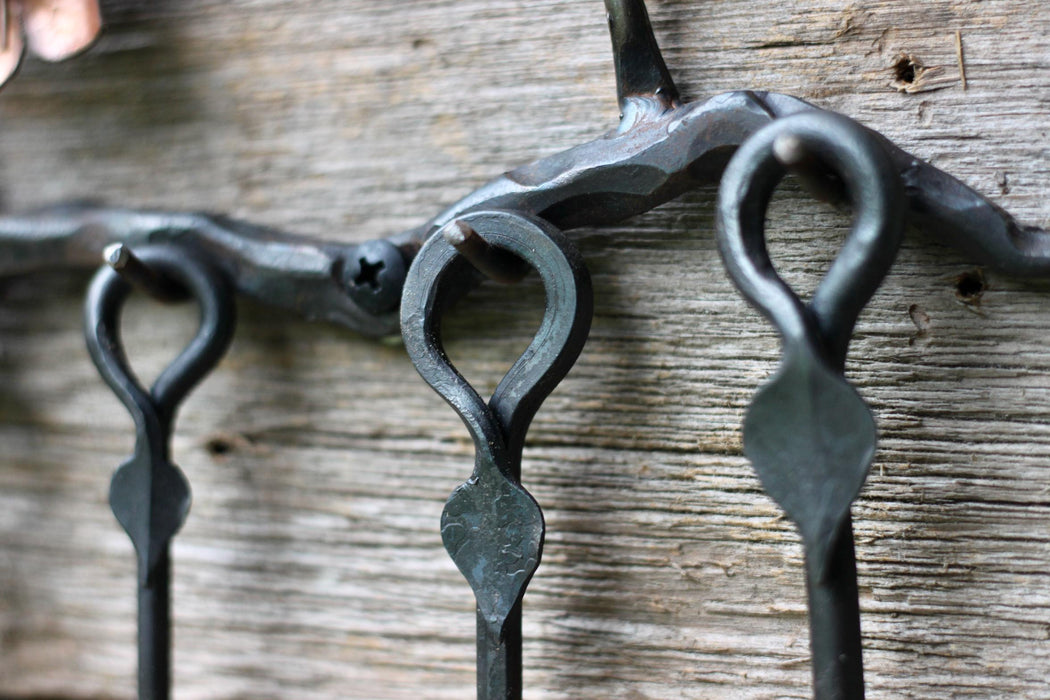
(311, 565)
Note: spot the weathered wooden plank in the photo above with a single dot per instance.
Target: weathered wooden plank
(311, 565)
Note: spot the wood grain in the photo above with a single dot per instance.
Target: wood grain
(311, 565)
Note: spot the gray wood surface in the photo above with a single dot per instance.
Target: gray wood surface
(311, 565)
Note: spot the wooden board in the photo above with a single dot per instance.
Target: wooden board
(311, 565)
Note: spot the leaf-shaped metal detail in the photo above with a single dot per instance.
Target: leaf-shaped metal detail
(811, 438)
(151, 503)
(493, 530)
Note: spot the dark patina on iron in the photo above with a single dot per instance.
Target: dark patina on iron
(491, 526)
(808, 434)
(149, 495)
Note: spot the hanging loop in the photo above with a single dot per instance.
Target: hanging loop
(873, 187)
(148, 476)
(442, 276)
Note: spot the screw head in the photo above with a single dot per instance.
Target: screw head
(373, 276)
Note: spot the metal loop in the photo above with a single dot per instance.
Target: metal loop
(105, 300)
(872, 185)
(440, 274)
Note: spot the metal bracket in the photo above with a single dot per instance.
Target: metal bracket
(661, 149)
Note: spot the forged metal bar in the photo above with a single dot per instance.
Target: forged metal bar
(294, 273)
(833, 603)
(808, 434)
(661, 149)
(149, 495)
(491, 526)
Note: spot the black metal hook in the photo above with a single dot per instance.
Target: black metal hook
(149, 495)
(808, 434)
(491, 526)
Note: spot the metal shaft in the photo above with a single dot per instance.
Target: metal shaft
(155, 633)
(834, 624)
(640, 67)
(499, 659)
